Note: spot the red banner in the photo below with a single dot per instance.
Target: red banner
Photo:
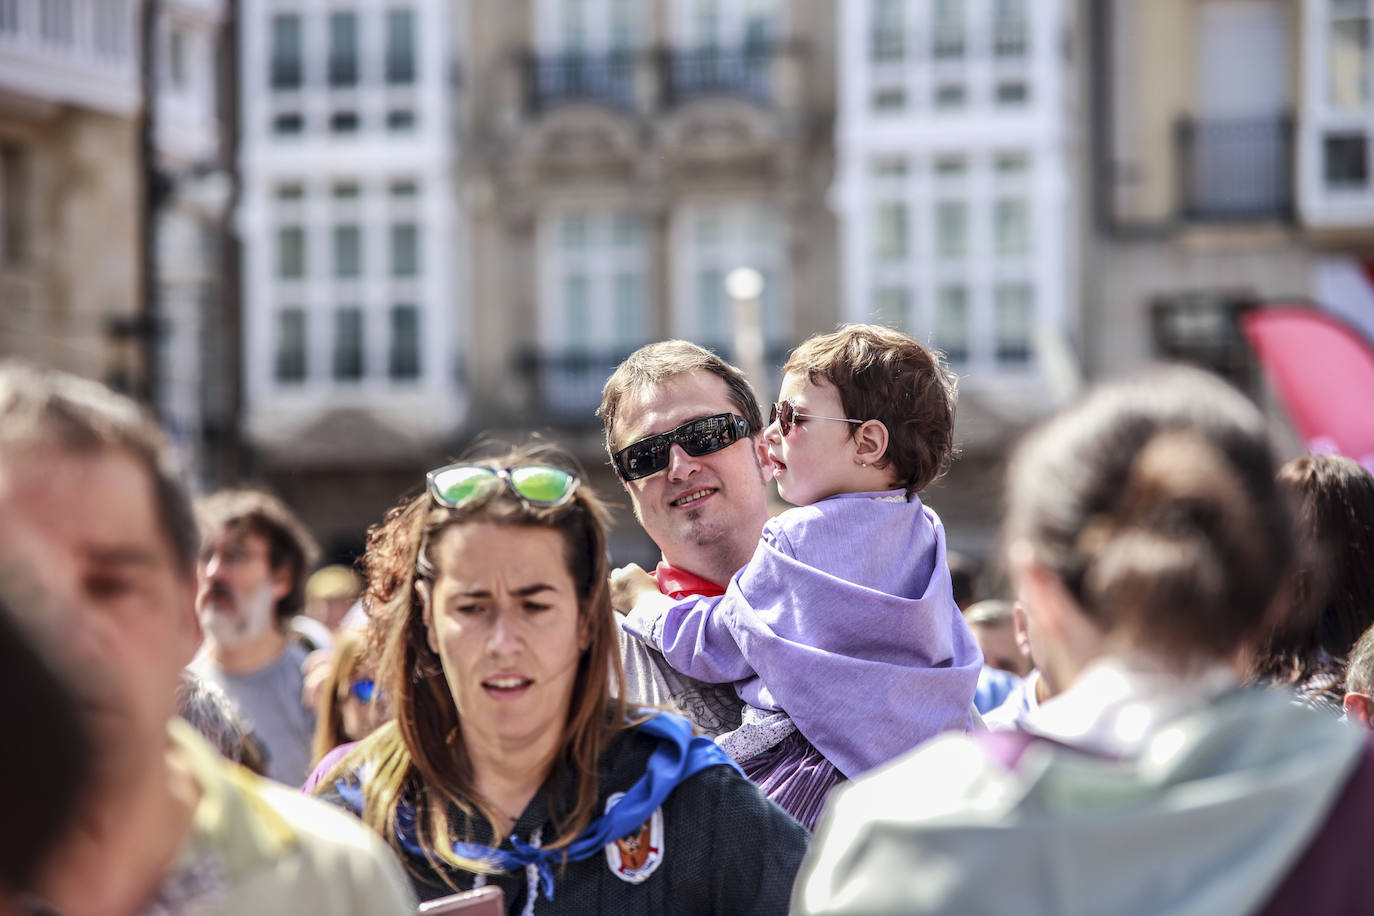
(1323, 371)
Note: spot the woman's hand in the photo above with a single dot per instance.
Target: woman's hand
(629, 585)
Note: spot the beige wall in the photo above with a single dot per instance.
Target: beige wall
(79, 207)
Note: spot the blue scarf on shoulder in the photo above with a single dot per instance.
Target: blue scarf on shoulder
(679, 754)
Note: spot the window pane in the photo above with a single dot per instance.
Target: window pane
(890, 307)
(405, 250)
(624, 29)
(176, 58)
(889, 168)
(1012, 230)
(574, 233)
(291, 252)
(343, 49)
(951, 226)
(708, 229)
(348, 251)
(1348, 63)
(290, 356)
(950, 167)
(947, 28)
(712, 321)
(1009, 28)
(291, 191)
(1013, 308)
(888, 38)
(889, 98)
(1011, 164)
(890, 231)
(949, 95)
(951, 323)
(348, 343)
(1346, 160)
(626, 232)
(628, 319)
(1011, 93)
(400, 46)
(404, 356)
(286, 52)
(577, 312)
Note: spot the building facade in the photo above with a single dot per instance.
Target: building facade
(353, 271)
(71, 186)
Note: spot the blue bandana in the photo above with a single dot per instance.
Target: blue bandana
(679, 754)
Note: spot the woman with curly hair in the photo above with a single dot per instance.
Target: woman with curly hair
(508, 761)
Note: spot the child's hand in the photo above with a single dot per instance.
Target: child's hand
(629, 584)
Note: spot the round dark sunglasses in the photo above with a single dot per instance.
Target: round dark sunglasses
(698, 437)
(785, 414)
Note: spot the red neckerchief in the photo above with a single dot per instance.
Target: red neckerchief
(679, 583)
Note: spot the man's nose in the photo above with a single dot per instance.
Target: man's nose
(680, 464)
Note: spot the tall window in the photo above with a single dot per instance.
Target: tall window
(947, 28)
(286, 57)
(400, 46)
(1012, 303)
(291, 252)
(343, 49)
(291, 345)
(348, 251)
(887, 35)
(348, 343)
(1009, 28)
(405, 250)
(403, 359)
(952, 323)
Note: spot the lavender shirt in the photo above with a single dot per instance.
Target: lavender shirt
(844, 619)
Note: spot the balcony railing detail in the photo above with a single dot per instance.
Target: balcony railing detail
(740, 71)
(581, 77)
(1235, 169)
(81, 52)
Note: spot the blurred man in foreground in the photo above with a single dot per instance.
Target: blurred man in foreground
(96, 525)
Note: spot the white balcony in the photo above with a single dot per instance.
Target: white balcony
(72, 52)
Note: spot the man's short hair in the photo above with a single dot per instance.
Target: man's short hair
(656, 363)
(1359, 671)
(46, 409)
(288, 543)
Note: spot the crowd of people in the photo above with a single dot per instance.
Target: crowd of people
(1167, 709)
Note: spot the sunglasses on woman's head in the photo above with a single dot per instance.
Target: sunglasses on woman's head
(539, 485)
(698, 437)
(785, 414)
(363, 689)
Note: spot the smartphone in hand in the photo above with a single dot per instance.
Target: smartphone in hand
(481, 901)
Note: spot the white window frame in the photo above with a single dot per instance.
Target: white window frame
(1319, 204)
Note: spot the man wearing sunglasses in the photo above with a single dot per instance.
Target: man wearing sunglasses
(99, 558)
(683, 430)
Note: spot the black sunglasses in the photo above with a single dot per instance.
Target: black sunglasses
(698, 437)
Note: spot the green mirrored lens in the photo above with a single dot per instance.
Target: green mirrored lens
(460, 484)
(540, 484)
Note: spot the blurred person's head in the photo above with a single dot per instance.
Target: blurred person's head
(1333, 586)
(50, 762)
(705, 511)
(330, 592)
(94, 518)
(1163, 531)
(1359, 681)
(496, 633)
(350, 704)
(210, 711)
(993, 625)
(252, 569)
(963, 578)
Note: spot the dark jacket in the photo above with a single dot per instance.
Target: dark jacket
(726, 848)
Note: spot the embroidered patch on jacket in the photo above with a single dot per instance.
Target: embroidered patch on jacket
(636, 856)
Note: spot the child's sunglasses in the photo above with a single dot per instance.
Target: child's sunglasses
(363, 689)
(537, 485)
(698, 437)
(785, 413)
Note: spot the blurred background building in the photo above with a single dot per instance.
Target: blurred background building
(385, 229)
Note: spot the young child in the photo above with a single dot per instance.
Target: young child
(844, 618)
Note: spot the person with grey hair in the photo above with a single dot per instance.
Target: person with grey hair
(93, 513)
(209, 711)
(1359, 682)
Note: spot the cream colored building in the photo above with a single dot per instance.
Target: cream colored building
(1233, 169)
(619, 160)
(70, 187)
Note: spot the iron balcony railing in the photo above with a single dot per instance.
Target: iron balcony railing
(1235, 169)
(741, 71)
(554, 78)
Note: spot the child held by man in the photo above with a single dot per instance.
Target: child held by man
(844, 618)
